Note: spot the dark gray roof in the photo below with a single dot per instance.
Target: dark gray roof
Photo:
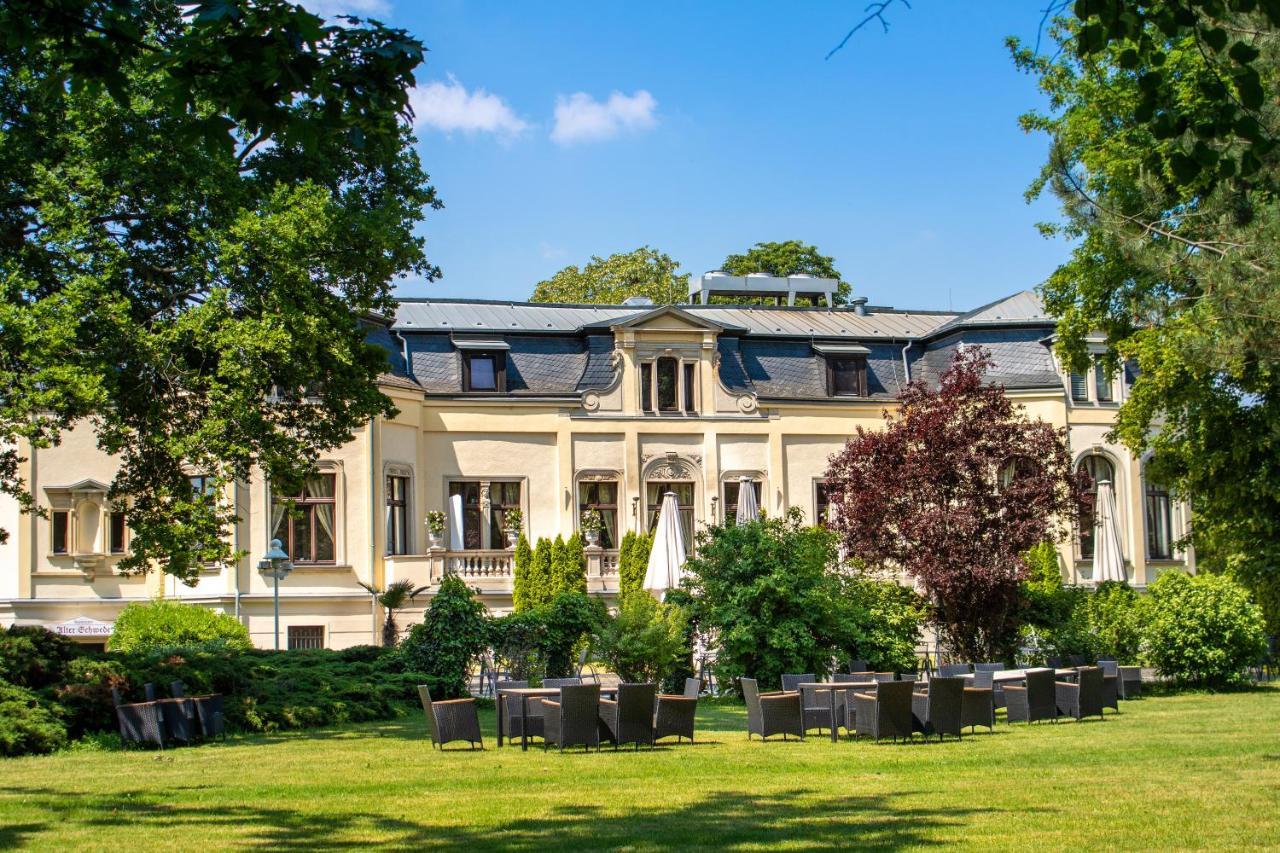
(598, 373)
(1021, 358)
(545, 365)
(1020, 309)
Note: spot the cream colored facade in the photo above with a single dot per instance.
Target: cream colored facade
(549, 446)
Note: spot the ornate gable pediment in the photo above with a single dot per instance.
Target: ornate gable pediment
(668, 318)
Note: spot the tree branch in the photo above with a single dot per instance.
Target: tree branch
(875, 13)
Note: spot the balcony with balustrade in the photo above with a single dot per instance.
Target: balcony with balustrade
(491, 572)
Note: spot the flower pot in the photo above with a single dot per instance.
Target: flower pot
(434, 540)
(593, 537)
(513, 536)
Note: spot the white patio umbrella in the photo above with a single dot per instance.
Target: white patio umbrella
(666, 558)
(747, 508)
(1108, 559)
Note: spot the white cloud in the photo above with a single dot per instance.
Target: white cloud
(581, 118)
(359, 8)
(450, 107)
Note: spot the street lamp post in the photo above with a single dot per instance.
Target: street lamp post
(275, 564)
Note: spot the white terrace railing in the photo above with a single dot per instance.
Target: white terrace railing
(480, 564)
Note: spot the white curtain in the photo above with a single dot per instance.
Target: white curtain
(456, 521)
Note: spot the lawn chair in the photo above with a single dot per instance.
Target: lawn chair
(886, 712)
(515, 723)
(859, 666)
(585, 665)
(630, 718)
(993, 666)
(450, 720)
(939, 711)
(1130, 682)
(977, 708)
(575, 719)
(1110, 684)
(791, 681)
(139, 722)
(771, 713)
(1083, 698)
(1033, 701)
(954, 670)
(675, 715)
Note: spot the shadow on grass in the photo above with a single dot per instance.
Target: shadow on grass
(717, 820)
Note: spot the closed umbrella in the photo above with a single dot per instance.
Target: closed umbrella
(1108, 559)
(747, 509)
(666, 558)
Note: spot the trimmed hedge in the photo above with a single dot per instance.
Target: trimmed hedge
(163, 623)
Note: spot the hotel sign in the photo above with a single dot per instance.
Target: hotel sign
(83, 627)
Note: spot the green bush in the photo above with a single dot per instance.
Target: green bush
(540, 576)
(542, 642)
(27, 725)
(1201, 630)
(452, 633)
(767, 591)
(633, 562)
(31, 656)
(645, 641)
(518, 640)
(164, 623)
(86, 694)
(883, 622)
(520, 594)
(1111, 614)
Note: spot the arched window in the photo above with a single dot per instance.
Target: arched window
(1097, 467)
(1013, 469)
(1159, 511)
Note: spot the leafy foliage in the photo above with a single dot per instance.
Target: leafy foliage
(645, 641)
(1201, 630)
(521, 595)
(177, 242)
(28, 726)
(452, 634)
(789, 257)
(395, 597)
(31, 656)
(164, 623)
(633, 562)
(1112, 614)
(609, 281)
(1164, 129)
(885, 622)
(765, 591)
(929, 494)
(540, 578)
(541, 641)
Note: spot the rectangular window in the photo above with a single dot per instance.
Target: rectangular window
(603, 498)
(1102, 382)
(1159, 524)
(654, 490)
(464, 498)
(646, 387)
(847, 376)
(821, 504)
(733, 488)
(690, 405)
(1079, 388)
(483, 371)
(202, 484)
(308, 532)
(668, 400)
(306, 637)
(117, 532)
(503, 496)
(397, 515)
(61, 530)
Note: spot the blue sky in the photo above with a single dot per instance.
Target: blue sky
(900, 156)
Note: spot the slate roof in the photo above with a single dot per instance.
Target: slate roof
(564, 350)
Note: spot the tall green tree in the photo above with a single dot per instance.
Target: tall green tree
(540, 577)
(608, 281)
(790, 257)
(200, 206)
(1164, 124)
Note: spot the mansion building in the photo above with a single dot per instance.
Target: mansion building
(556, 409)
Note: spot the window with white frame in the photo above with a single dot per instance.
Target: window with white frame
(397, 491)
(1159, 518)
(471, 527)
(669, 385)
(601, 496)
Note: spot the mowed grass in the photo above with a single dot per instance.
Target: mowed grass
(1189, 771)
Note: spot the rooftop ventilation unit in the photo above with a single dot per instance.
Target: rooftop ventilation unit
(637, 300)
(757, 284)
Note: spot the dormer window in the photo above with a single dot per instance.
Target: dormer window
(847, 375)
(668, 385)
(483, 371)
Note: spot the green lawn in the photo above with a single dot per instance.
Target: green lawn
(1171, 772)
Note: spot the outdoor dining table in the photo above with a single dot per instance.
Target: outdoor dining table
(525, 694)
(831, 687)
(1011, 676)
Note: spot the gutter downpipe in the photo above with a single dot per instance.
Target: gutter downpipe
(373, 527)
(404, 352)
(235, 546)
(906, 368)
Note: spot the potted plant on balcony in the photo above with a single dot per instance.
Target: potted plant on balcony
(435, 527)
(592, 524)
(513, 523)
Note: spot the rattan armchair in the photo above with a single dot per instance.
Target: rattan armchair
(940, 710)
(1083, 698)
(630, 718)
(953, 670)
(575, 719)
(515, 722)
(1110, 684)
(675, 715)
(1130, 682)
(858, 666)
(771, 713)
(1033, 701)
(884, 712)
(450, 720)
(977, 708)
(139, 722)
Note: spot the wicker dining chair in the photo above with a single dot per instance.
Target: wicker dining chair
(991, 666)
(940, 710)
(977, 708)
(210, 714)
(859, 666)
(1084, 697)
(629, 719)
(1110, 684)
(1130, 682)
(139, 722)
(575, 719)
(953, 670)
(676, 715)
(1033, 701)
(791, 681)
(884, 712)
(572, 681)
(515, 722)
(884, 676)
(771, 713)
(450, 720)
